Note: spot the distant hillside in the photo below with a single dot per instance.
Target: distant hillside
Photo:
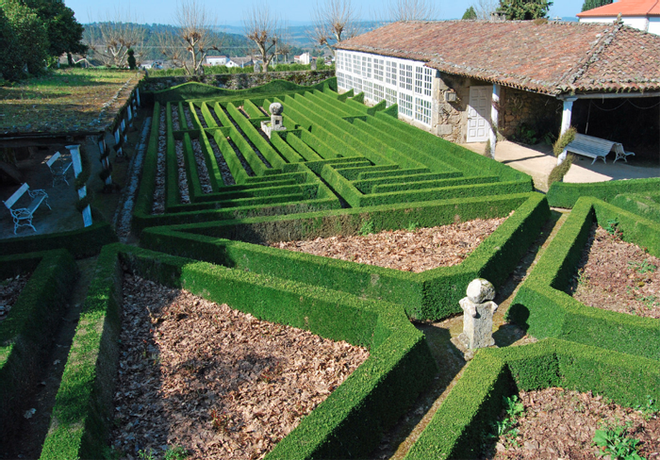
(150, 48)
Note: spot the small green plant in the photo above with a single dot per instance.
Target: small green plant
(582, 278)
(367, 228)
(613, 228)
(412, 226)
(649, 301)
(643, 267)
(614, 442)
(648, 410)
(506, 428)
(525, 134)
(176, 453)
(146, 454)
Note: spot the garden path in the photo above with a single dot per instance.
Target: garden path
(441, 337)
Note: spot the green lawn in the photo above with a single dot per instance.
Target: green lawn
(64, 101)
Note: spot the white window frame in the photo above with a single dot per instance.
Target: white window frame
(423, 110)
(379, 69)
(357, 85)
(405, 76)
(391, 96)
(405, 104)
(379, 92)
(428, 81)
(368, 88)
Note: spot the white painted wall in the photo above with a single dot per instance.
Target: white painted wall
(644, 23)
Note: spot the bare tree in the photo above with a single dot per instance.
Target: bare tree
(333, 22)
(195, 37)
(412, 10)
(262, 27)
(110, 40)
(485, 8)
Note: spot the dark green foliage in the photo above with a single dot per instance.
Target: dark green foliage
(470, 13)
(23, 41)
(65, 33)
(560, 170)
(524, 10)
(26, 334)
(563, 141)
(131, 59)
(349, 423)
(591, 4)
(81, 243)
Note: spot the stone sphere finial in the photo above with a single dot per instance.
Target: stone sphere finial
(276, 108)
(480, 290)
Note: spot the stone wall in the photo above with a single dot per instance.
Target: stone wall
(239, 81)
(522, 111)
(450, 118)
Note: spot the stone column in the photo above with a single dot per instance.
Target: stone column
(494, 117)
(82, 192)
(567, 113)
(478, 309)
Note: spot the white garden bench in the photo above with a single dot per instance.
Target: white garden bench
(60, 168)
(595, 147)
(20, 215)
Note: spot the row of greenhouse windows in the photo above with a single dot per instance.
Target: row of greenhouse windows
(395, 81)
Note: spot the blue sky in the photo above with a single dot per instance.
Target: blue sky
(231, 13)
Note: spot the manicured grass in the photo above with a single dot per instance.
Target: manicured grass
(64, 101)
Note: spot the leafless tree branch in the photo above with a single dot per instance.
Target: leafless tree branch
(412, 10)
(263, 28)
(333, 22)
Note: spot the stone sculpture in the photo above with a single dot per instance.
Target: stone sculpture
(478, 309)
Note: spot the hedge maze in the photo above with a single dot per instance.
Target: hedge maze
(214, 190)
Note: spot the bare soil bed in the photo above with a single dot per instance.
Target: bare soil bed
(618, 276)
(561, 424)
(416, 250)
(215, 381)
(10, 289)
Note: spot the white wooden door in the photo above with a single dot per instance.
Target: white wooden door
(479, 114)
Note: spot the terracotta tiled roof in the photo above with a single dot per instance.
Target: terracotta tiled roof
(625, 8)
(551, 58)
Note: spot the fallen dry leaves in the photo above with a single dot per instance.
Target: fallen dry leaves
(414, 251)
(10, 289)
(216, 381)
(618, 276)
(560, 423)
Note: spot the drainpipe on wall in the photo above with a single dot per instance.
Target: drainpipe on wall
(494, 117)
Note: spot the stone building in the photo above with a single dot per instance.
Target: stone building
(468, 80)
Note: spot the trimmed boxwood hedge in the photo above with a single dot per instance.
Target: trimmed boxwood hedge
(433, 294)
(646, 205)
(81, 243)
(545, 310)
(349, 423)
(565, 195)
(26, 334)
(459, 427)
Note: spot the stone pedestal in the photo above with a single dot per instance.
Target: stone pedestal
(275, 123)
(478, 309)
